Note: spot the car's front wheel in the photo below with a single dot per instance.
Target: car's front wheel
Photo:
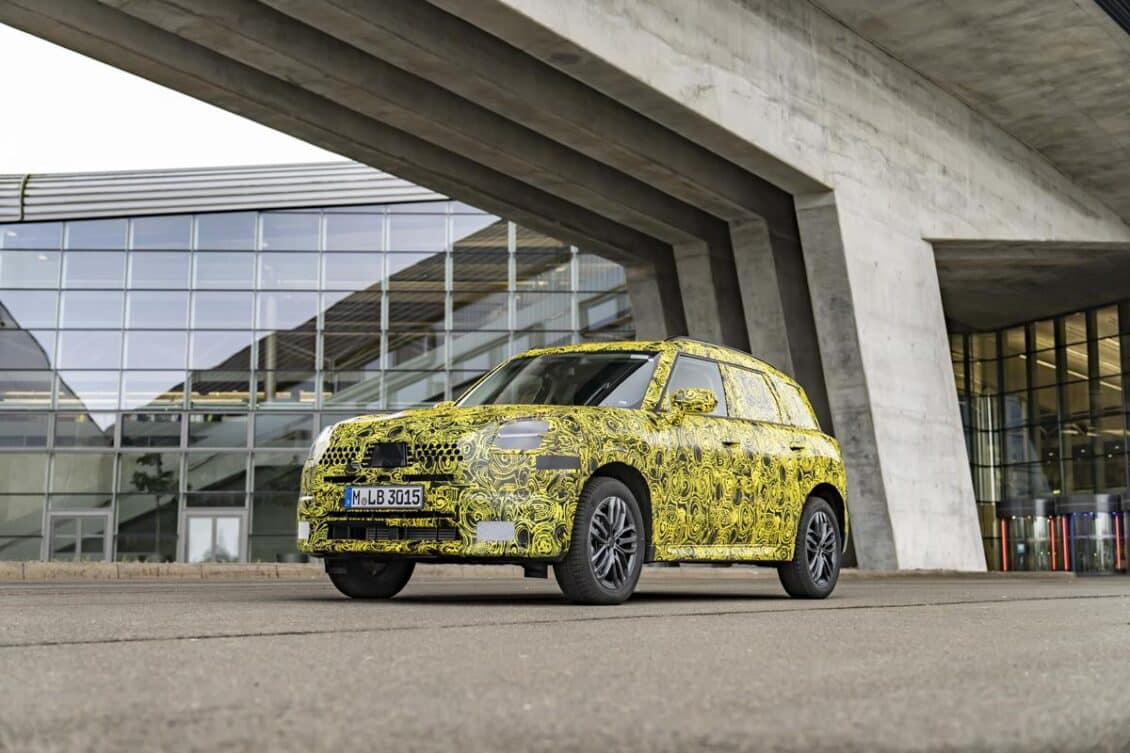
(370, 579)
(606, 552)
(815, 567)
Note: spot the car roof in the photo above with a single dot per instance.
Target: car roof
(678, 344)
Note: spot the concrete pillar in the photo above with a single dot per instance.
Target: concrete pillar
(657, 308)
(712, 300)
(894, 406)
(778, 307)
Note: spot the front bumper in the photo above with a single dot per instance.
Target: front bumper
(524, 514)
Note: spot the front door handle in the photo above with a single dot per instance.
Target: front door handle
(798, 447)
(730, 443)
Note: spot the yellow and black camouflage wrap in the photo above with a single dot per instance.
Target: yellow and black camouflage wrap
(717, 489)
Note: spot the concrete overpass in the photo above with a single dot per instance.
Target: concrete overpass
(776, 174)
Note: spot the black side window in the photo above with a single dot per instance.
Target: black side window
(696, 372)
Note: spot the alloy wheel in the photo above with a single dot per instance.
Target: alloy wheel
(820, 547)
(614, 542)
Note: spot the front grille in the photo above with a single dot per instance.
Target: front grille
(382, 532)
(340, 455)
(436, 453)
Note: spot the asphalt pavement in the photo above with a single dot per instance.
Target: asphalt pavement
(465, 664)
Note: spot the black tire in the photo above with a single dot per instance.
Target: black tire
(371, 579)
(815, 567)
(577, 574)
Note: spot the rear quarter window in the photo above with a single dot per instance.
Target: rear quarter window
(795, 406)
(751, 397)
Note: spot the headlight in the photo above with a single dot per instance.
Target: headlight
(521, 435)
(321, 444)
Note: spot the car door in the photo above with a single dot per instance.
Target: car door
(767, 475)
(697, 475)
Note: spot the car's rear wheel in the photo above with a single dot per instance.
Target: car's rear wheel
(606, 553)
(370, 579)
(815, 567)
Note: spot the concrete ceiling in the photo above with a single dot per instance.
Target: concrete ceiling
(989, 285)
(1053, 73)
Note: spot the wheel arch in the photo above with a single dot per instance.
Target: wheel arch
(832, 496)
(630, 477)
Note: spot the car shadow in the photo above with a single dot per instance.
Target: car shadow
(517, 598)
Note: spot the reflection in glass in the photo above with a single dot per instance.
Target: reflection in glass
(286, 310)
(217, 429)
(354, 232)
(23, 472)
(150, 473)
(417, 232)
(24, 269)
(157, 269)
(225, 231)
(214, 538)
(351, 351)
(220, 350)
(87, 234)
(284, 430)
(216, 479)
(94, 269)
(352, 271)
(27, 309)
(224, 271)
(155, 350)
(20, 349)
(220, 389)
(92, 309)
(32, 235)
(86, 473)
(92, 390)
(285, 387)
(360, 389)
(163, 232)
(416, 271)
(24, 430)
(84, 429)
(409, 389)
(290, 231)
(157, 389)
(151, 309)
(292, 271)
(211, 310)
(151, 429)
(147, 527)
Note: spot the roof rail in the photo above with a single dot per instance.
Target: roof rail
(700, 341)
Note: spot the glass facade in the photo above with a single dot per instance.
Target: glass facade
(162, 377)
(1044, 409)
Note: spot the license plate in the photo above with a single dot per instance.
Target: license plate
(384, 497)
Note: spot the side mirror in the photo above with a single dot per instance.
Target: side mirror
(444, 405)
(695, 400)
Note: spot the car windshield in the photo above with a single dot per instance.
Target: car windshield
(610, 379)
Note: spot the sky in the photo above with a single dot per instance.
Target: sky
(69, 113)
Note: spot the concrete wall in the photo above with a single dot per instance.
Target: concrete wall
(788, 92)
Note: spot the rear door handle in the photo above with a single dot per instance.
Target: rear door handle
(798, 447)
(730, 443)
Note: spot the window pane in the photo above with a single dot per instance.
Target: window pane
(88, 473)
(90, 350)
(27, 308)
(147, 527)
(286, 310)
(25, 389)
(92, 309)
(292, 271)
(217, 429)
(226, 350)
(361, 389)
(158, 389)
(1075, 328)
(220, 389)
(151, 430)
(416, 350)
(157, 310)
(354, 232)
(284, 430)
(94, 269)
(222, 310)
(285, 387)
(20, 515)
(22, 472)
(217, 479)
(92, 390)
(84, 234)
(156, 350)
(422, 232)
(409, 311)
(20, 349)
(84, 429)
(23, 269)
(795, 405)
(352, 271)
(224, 271)
(1110, 356)
(156, 269)
(359, 312)
(171, 231)
(150, 473)
(1106, 322)
(278, 472)
(33, 235)
(273, 515)
(287, 351)
(483, 270)
(287, 231)
(24, 430)
(226, 231)
(696, 373)
(597, 273)
(752, 399)
(407, 389)
(416, 271)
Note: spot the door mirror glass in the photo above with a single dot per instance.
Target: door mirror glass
(695, 400)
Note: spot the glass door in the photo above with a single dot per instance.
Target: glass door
(215, 536)
(79, 537)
